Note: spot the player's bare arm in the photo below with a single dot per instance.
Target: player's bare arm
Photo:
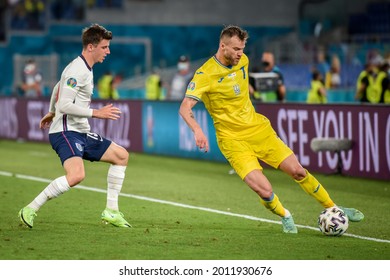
(188, 116)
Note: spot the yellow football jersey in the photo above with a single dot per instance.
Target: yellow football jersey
(225, 92)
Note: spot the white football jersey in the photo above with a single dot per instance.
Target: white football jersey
(73, 98)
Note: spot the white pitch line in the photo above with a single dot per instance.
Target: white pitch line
(38, 179)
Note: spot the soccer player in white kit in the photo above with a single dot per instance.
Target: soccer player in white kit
(70, 134)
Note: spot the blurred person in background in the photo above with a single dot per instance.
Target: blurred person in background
(244, 136)
(373, 82)
(387, 59)
(70, 134)
(278, 93)
(317, 92)
(361, 89)
(333, 77)
(18, 15)
(31, 80)
(35, 14)
(27, 15)
(61, 10)
(321, 63)
(180, 80)
(154, 86)
(107, 86)
(375, 56)
(383, 76)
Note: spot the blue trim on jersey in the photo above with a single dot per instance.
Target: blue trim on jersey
(64, 122)
(193, 97)
(216, 59)
(86, 63)
(243, 71)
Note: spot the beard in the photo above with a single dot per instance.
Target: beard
(231, 60)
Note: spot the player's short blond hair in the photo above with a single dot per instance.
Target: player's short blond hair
(233, 30)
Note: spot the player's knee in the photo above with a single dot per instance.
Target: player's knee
(298, 173)
(123, 157)
(75, 178)
(266, 194)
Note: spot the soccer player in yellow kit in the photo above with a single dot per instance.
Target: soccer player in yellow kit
(243, 135)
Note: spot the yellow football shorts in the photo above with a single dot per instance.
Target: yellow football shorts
(244, 155)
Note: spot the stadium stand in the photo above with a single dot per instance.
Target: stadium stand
(375, 18)
(150, 33)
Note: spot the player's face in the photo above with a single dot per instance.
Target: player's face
(233, 48)
(101, 50)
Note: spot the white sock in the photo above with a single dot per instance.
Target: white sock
(53, 190)
(288, 214)
(115, 177)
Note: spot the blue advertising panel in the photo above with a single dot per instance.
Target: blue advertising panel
(165, 132)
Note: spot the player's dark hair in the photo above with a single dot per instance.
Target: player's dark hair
(315, 74)
(94, 34)
(232, 30)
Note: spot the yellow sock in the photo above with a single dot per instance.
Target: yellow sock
(312, 187)
(274, 205)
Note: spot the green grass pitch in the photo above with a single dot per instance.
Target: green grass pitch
(180, 209)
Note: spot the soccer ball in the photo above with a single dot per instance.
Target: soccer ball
(333, 222)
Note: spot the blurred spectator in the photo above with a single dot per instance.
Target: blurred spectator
(373, 83)
(181, 79)
(268, 88)
(387, 59)
(35, 10)
(362, 74)
(67, 10)
(31, 80)
(374, 57)
(317, 92)
(333, 78)
(107, 86)
(361, 87)
(18, 16)
(153, 86)
(28, 15)
(321, 64)
(383, 77)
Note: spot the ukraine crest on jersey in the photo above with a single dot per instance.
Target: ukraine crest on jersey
(224, 91)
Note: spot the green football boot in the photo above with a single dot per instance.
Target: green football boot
(289, 225)
(115, 218)
(27, 216)
(353, 214)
